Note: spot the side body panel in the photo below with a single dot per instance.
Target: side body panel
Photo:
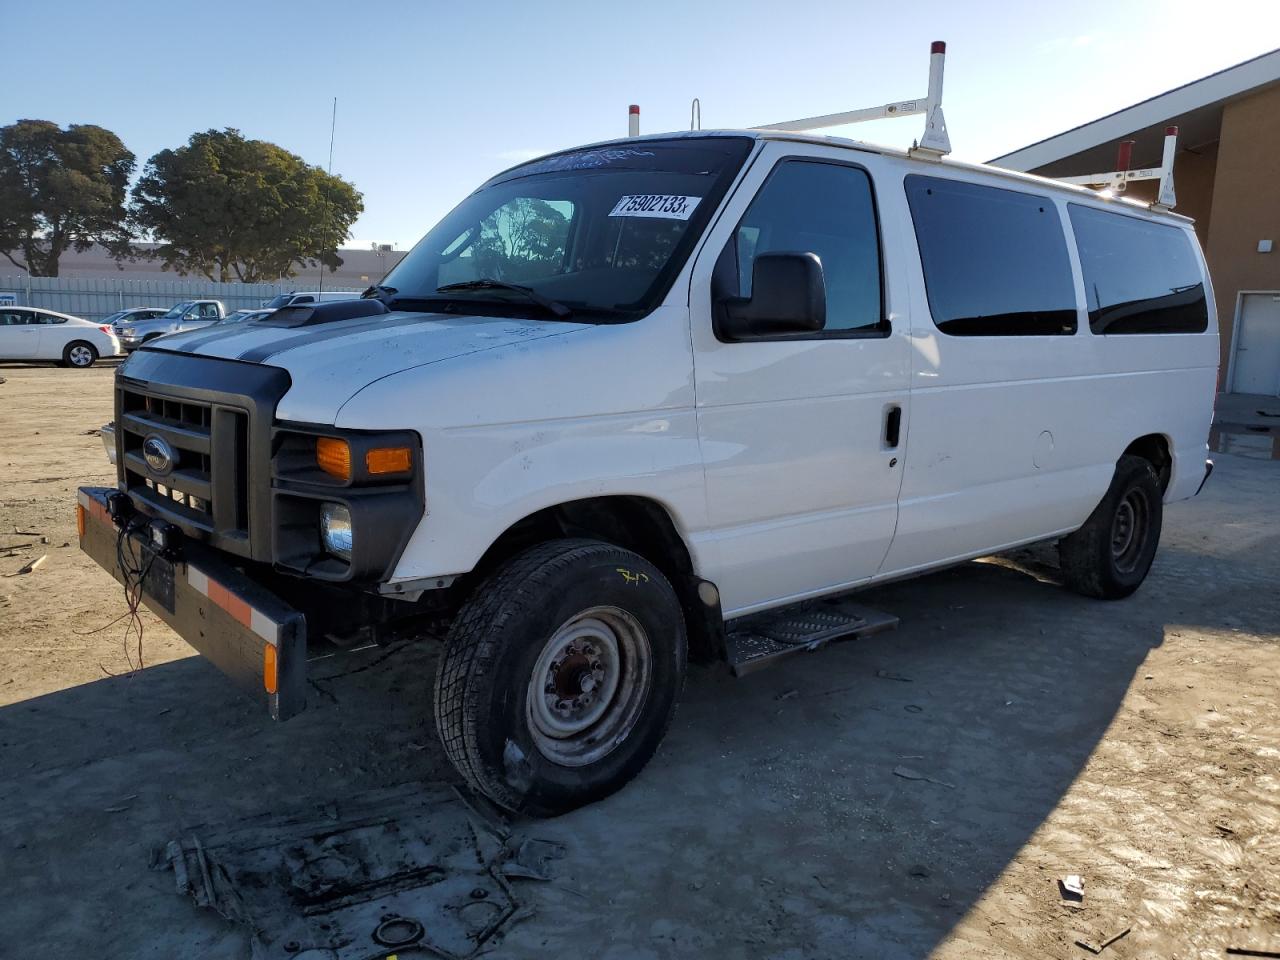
(1015, 438)
(801, 485)
(605, 410)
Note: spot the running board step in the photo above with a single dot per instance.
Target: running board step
(763, 639)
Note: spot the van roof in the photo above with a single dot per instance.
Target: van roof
(846, 143)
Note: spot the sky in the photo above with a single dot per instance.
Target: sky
(433, 98)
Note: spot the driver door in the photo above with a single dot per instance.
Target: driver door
(19, 338)
(803, 435)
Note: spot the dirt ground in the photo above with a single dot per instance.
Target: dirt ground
(1136, 744)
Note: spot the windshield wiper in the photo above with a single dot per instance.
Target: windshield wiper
(377, 292)
(486, 283)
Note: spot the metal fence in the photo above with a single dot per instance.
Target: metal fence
(96, 297)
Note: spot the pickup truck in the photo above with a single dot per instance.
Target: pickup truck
(188, 315)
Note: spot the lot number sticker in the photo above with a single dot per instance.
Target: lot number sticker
(661, 206)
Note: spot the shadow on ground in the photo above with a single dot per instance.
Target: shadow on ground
(770, 825)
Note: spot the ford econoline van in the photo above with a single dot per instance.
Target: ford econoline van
(660, 398)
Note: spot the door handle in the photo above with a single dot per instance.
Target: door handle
(892, 426)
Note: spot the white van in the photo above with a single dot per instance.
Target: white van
(659, 398)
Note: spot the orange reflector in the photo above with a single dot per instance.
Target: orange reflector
(80, 519)
(269, 678)
(388, 460)
(333, 456)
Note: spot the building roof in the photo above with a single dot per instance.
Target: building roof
(1196, 108)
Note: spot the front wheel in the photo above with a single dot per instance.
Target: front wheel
(79, 354)
(1110, 555)
(560, 675)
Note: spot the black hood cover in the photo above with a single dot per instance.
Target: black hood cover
(310, 315)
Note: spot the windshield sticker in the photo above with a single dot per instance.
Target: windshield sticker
(661, 206)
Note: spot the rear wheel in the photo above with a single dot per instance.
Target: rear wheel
(560, 675)
(1110, 555)
(80, 354)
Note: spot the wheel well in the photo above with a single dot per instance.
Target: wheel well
(634, 523)
(1154, 448)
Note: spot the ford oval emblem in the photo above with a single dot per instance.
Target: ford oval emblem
(160, 456)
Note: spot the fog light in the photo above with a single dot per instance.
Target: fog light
(335, 530)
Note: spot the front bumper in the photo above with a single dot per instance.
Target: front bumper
(247, 632)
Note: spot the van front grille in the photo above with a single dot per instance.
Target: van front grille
(202, 493)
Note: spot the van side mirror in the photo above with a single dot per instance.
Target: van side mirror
(788, 296)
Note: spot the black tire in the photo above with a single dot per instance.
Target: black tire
(79, 354)
(494, 732)
(1110, 555)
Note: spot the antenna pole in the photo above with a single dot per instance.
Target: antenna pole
(324, 228)
(633, 120)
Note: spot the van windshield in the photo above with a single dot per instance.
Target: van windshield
(276, 302)
(602, 231)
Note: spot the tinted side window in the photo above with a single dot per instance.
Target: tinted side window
(1139, 277)
(995, 261)
(826, 209)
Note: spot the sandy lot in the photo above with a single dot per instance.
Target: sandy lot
(1135, 743)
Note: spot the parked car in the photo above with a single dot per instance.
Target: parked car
(188, 315)
(29, 333)
(308, 296)
(733, 377)
(122, 318)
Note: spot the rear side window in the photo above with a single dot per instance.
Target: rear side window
(995, 261)
(1139, 277)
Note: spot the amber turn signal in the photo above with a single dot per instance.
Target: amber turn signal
(80, 520)
(270, 681)
(333, 456)
(388, 460)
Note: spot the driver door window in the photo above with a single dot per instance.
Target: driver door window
(827, 209)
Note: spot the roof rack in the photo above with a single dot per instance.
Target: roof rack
(1115, 181)
(935, 142)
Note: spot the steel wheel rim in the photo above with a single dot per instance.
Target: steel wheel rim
(81, 356)
(589, 686)
(1129, 530)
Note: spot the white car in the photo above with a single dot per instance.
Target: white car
(661, 398)
(29, 333)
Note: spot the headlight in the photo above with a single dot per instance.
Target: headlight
(335, 530)
(126, 331)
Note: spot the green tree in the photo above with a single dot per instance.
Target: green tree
(235, 209)
(60, 189)
(521, 240)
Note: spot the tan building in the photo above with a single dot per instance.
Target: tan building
(1227, 177)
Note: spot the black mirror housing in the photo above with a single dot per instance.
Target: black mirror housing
(788, 297)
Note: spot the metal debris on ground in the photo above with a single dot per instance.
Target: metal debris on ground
(1099, 947)
(407, 869)
(906, 773)
(1071, 887)
(31, 566)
